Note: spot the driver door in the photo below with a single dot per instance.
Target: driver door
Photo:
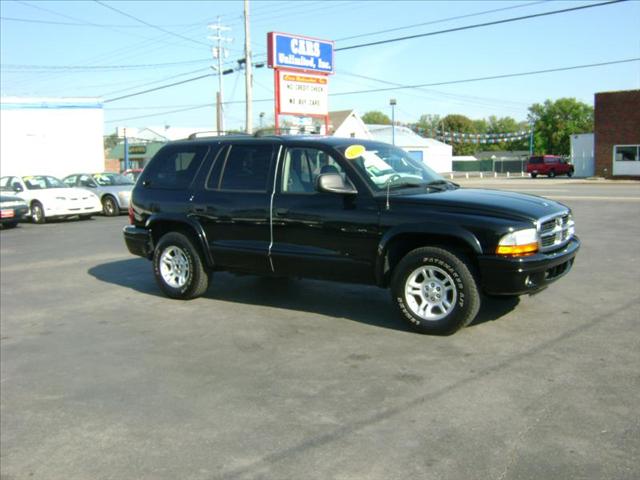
(319, 234)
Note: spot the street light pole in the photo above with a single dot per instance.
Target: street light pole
(392, 102)
(218, 52)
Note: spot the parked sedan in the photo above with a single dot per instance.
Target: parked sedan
(114, 190)
(48, 197)
(12, 210)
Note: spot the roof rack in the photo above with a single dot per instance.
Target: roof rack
(213, 133)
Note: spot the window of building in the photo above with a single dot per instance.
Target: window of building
(247, 168)
(626, 153)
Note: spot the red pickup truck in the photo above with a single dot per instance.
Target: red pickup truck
(549, 165)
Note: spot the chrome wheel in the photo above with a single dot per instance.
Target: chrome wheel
(37, 213)
(430, 293)
(174, 267)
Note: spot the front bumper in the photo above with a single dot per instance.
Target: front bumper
(70, 208)
(522, 275)
(138, 241)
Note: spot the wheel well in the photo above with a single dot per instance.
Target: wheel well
(405, 243)
(108, 195)
(35, 201)
(162, 227)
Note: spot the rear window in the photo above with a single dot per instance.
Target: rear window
(175, 166)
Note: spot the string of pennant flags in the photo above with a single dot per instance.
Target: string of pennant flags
(458, 137)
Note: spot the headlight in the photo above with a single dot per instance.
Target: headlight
(61, 198)
(520, 242)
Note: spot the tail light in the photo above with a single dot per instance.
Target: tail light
(131, 217)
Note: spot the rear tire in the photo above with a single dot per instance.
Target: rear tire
(552, 174)
(37, 213)
(435, 291)
(570, 174)
(178, 267)
(534, 175)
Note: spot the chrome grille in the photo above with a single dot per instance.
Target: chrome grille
(555, 231)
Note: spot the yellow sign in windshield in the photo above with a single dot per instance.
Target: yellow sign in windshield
(353, 151)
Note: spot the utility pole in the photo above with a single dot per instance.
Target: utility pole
(218, 53)
(248, 71)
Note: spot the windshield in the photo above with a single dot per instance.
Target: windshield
(41, 182)
(385, 166)
(111, 179)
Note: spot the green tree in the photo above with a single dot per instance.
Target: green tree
(428, 125)
(110, 141)
(555, 122)
(376, 118)
(460, 124)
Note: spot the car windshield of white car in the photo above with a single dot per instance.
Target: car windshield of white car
(41, 182)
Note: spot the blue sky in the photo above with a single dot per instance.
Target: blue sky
(83, 48)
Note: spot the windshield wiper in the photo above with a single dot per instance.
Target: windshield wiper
(441, 185)
(404, 184)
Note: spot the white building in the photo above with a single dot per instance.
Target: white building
(50, 136)
(347, 124)
(582, 155)
(437, 155)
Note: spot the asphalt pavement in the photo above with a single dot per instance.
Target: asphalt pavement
(102, 377)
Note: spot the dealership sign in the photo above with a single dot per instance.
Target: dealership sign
(296, 52)
(303, 94)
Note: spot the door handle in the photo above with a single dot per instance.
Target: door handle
(199, 208)
(282, 211)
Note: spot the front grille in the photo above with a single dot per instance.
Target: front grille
(558, 270)
(555, 231)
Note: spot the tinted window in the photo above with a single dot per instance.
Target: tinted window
(174, 167)
(247, 168)
(536, 160)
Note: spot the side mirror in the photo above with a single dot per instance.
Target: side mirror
(333, 183)
(17, 187)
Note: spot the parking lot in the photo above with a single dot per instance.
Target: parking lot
(105, 378)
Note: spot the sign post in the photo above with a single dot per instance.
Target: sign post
(301, 66)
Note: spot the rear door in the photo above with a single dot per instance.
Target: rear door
(233, 205)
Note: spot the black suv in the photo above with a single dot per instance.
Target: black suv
(347, 210)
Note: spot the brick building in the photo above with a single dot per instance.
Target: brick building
(617, 134)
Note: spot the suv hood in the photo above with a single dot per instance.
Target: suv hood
(497, 203)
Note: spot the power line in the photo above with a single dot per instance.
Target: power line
(164, 30)
(441, 20)
(450, 82)
(492, 77)
(47, 68)
(480, 25)
(159, 88)
(87, 24)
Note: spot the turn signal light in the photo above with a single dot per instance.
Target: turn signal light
(527, 249)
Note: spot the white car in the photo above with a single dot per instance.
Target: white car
(48, 197)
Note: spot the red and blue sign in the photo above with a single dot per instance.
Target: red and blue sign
(295, 52)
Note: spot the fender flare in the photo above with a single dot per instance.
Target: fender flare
(190, 223)
(435, 229)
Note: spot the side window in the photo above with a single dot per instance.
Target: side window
(247, 168)
(4, 182)
(174, 167)
(302, 166)
(86, 181)
(70, 181)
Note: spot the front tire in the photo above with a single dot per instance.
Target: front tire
(435, 291)
(37, 213)
(569, 174)
(178, 267)
(552, 174)
(109, 206)
(534, 175)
